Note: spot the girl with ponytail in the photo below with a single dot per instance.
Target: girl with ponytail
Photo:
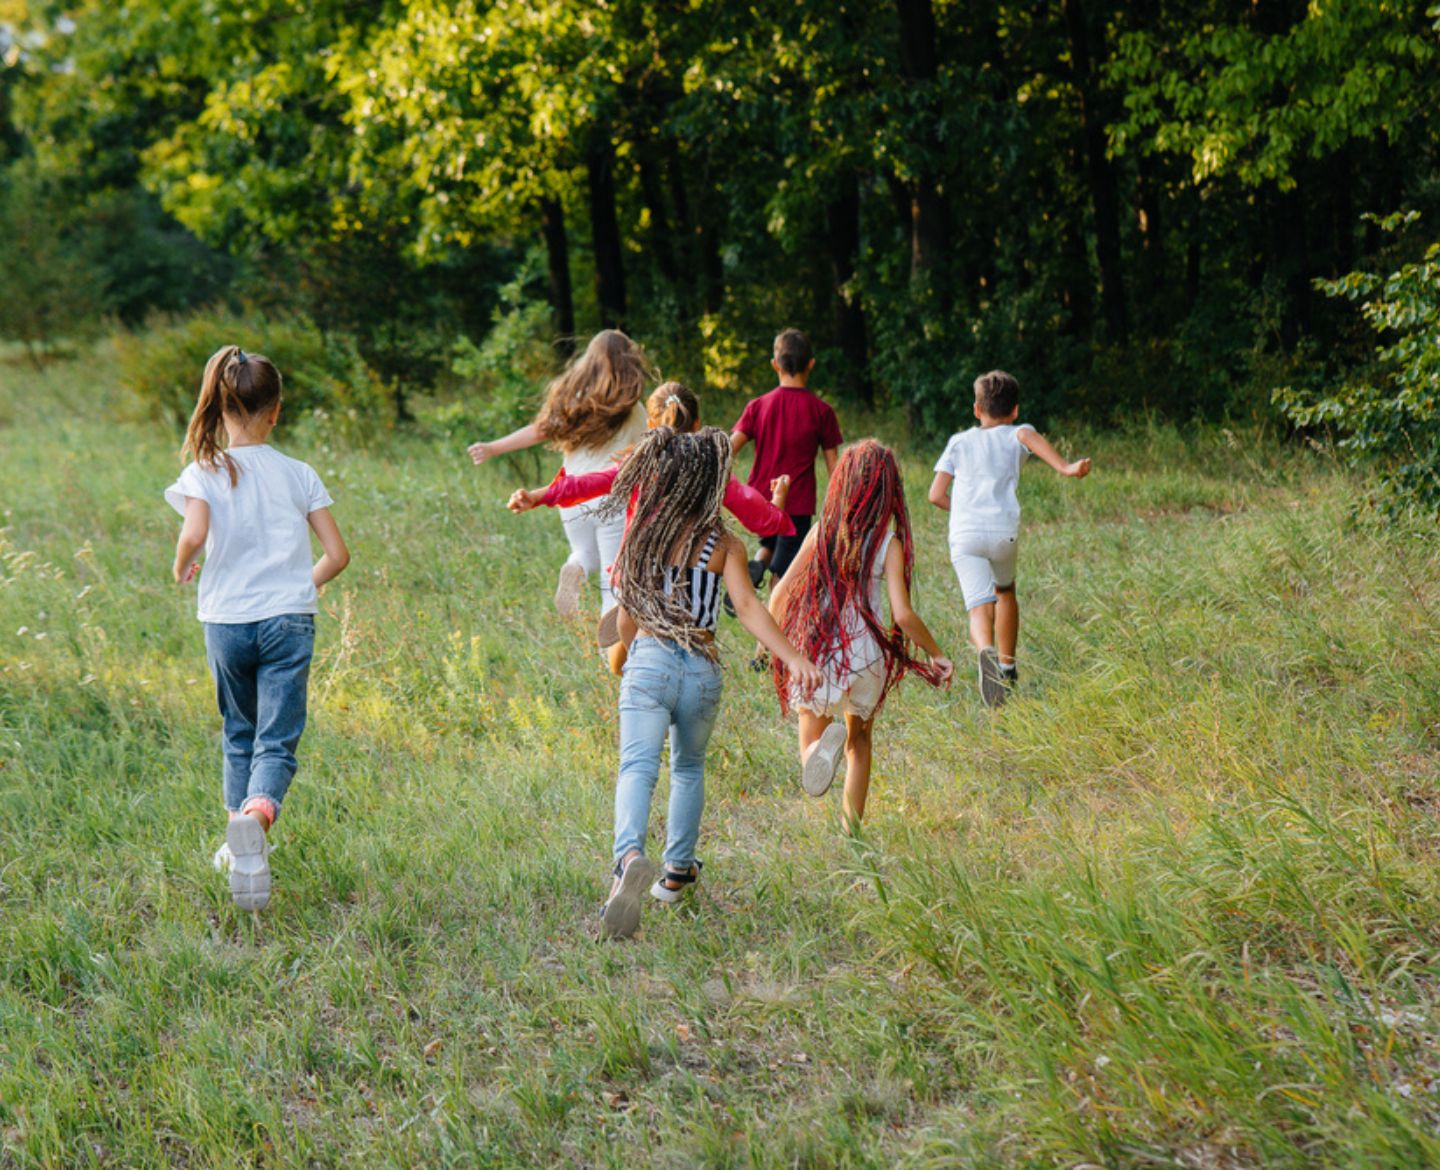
(252, 510)
(829, 605)
(668, 579)
(670, 405)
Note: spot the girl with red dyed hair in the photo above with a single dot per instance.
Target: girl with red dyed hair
(829, 606)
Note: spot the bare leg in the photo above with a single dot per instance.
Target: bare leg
(811, 726)
(982, 626)
(857, 769)
(1007, 622)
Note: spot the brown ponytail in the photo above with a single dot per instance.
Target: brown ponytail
(673, 404)
(236, 383)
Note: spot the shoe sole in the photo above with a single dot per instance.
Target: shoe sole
(621, 918)
(249, 867)
(823, 763)
(992, 685)
(607, 633)
(567, 591)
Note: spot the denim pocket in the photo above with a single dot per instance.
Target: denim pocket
(298, 623)
(643, 685)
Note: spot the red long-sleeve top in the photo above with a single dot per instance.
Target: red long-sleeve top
(747, 505)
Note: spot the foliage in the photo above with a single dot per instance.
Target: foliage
(49, 289)
(326, 382)
(1390, 422)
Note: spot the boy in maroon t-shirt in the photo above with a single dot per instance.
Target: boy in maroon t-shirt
(788, 427)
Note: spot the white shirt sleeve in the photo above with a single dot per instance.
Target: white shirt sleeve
(947, 460)
(315, 494)
(192, 484)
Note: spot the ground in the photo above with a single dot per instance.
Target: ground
(1175, 906)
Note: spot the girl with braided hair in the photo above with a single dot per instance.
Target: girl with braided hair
(668, 578)
(829, 605)
(591, 411)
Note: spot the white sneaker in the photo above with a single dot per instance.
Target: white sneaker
(567, 590)
(822, 765)
(249, 862)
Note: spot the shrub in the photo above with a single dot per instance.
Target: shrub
(1388, 421)
(326, 383)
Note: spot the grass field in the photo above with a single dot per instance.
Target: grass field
(1176, 907)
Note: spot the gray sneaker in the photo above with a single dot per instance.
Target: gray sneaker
(822, 765)
(621, 915)
(567, 590)
(992, 684)
(249, 862)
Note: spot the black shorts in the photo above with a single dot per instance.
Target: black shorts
(783, 548)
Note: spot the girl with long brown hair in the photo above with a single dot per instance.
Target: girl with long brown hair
(252, 510)
(591, 411)
(829, 606)
(669, 576)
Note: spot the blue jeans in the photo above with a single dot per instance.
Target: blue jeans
(665, 690)
(262, 670)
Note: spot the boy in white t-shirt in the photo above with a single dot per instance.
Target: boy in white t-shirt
(975, 482)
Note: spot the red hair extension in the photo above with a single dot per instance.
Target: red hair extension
(866, 496)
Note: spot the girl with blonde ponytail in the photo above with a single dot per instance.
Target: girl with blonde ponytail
(252, 510)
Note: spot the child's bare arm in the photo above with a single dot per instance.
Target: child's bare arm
(335, 555)
(940, 490)
(904, 613)
(755, 618)
(780, 595)
(526, 436)
(193, 532)
(523, 499)
(1040, 446)
(738, 439)
(832, 456)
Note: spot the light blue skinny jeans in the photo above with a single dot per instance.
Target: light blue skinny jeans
(665, 690)
(262, 672)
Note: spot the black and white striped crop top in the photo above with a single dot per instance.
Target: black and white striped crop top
(705, 588)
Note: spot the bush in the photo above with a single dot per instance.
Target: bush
(1389, 422)
(326, 383)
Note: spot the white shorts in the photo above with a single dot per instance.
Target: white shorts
(984, 562)
(857, 695)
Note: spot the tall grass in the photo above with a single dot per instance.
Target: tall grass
(1174, 907)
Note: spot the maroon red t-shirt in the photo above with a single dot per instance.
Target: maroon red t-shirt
(789, 427)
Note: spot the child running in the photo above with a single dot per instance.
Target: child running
(668, 577)
(671, 405)
(252, 510)
(789, 426)
(590, 411)
(975, 481)
(829, 606)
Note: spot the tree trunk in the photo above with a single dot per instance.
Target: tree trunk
(605, 231)
(928, 213)
(1106, 203)
(842, 221)
(557, 272)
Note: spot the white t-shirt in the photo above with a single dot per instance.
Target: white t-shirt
(985, 462)
(257, 555)
(583, 460)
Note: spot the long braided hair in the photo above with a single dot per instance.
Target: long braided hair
(677, 480)
(865, 497)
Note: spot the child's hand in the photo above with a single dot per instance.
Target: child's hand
(806, 673)
(479, 452)
(1079, 469)
(945, 667)
(780, 491)
(187, 574)
(522, 501)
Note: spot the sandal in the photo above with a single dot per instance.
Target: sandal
(682, 878)
(620, 917)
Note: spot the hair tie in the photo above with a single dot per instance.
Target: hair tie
(240, 356)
